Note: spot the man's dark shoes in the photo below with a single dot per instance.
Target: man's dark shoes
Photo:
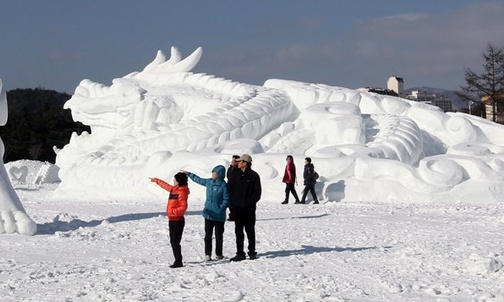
(176, 265)
(238, 257)
(316, 202)
(285, 202)
(253, 256)
(297, 202)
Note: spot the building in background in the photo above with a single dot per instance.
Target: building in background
(395, 87)
(396, 84)
(493, 105)
(436, 99)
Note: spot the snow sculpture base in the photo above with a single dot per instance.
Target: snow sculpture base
(13, 217)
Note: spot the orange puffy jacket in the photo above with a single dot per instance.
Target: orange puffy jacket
(177, 201)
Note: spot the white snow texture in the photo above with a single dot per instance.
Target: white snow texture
(411, 197)
(365, 146)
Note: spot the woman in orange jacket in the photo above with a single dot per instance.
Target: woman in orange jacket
(175, 210)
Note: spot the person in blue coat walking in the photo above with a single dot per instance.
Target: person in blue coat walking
(214, 212)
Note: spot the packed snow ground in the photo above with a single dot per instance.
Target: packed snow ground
(118, 250)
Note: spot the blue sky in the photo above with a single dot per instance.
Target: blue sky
(55, 44)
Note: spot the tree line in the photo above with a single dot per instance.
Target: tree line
(36, 123)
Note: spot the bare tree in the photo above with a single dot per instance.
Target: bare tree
(489, 85)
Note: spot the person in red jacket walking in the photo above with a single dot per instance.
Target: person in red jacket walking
(289, 179)
(175, 210)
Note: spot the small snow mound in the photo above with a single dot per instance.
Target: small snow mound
(395, 287)
(48, 173)
(483, 265)
(32, 171)
(64, 224)
(63, 217)
(18, 174)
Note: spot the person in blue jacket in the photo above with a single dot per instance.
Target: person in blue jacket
(214, 212)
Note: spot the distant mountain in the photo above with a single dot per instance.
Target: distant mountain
(457, 102)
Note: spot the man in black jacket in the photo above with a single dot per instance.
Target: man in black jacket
(309, 181)
(233, 168)
(244, 192)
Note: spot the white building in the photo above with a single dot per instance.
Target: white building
(435, 99)
(396, 84)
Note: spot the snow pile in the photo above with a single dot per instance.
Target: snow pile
(48, 173)
(483, 265)
(32, 172)
(165, 118)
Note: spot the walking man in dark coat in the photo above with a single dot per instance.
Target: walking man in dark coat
(309, 181)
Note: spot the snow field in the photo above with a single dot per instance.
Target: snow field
(92, 250)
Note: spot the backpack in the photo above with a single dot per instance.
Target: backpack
(315, 175)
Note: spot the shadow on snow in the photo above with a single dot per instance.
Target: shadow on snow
(50, 228)
(308, 249)
(297, 217)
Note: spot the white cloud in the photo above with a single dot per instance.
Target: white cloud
(425, 49)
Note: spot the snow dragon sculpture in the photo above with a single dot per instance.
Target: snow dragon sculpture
(13, 217)
(145, 121)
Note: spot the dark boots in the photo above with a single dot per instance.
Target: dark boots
(176, 264)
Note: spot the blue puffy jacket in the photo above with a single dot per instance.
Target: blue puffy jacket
(217, 194)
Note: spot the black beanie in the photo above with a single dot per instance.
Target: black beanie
(181, 178)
